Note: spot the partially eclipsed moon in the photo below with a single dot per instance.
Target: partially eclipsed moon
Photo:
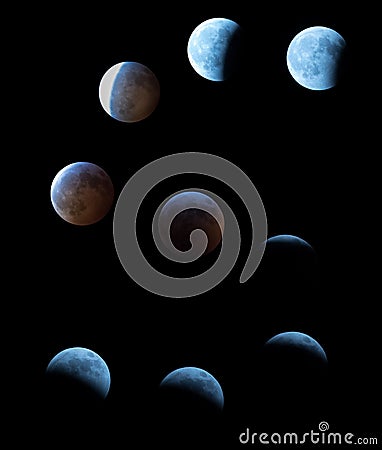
(294, 374)
(80, 369)
(194, 383)
(299, 344)
(214, 47)
(291, 260)
(185, 212)
(129, 91)
(82, 193)
(315, 57)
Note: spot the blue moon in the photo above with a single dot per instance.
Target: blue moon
(187, 211)
(315, 57)
(291, 258)
(300, 343)
(294, 377)
(197, 383)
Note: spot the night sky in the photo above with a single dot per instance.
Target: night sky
(293, 143)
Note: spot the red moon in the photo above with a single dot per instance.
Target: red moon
(197, 211)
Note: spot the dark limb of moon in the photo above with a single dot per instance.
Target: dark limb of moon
(127, 245)
(82, 193)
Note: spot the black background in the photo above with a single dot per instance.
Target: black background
(307, 154)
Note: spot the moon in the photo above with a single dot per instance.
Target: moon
(292, 259)
(185, 212)
(79, 371)
(289, 245)
(297, 345)
(315, 57)
(129, 91)
(191, 403)
(193, 384)
(82, 193)
(293, 358)
(293, 376)
(213, 48)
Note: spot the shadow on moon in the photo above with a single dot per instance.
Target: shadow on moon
(315, 57)
(214, 49)
(129, 91)
(82, 193)
(191, 401)
(294, 378)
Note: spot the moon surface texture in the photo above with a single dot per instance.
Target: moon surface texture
(299, 345)
(82, 193)
(185, 212)
(287, 245)
(129, 91)
(191, 401)
(213, 48)
(315, 57)
(194, 384)
(78, 371)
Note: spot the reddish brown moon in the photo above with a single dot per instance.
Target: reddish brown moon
(196, 211)
(82, 193)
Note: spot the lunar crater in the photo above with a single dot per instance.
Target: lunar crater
(315, 57)
(82, 193)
